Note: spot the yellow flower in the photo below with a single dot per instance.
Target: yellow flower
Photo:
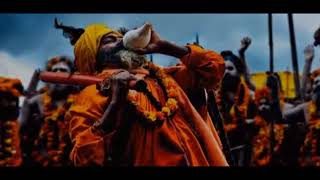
(172, 93)
(8, 131)
(54, 116)
(171, 101)
(8, 141)
(151, 115)
(70, 100)
(166, 111)
(312, 108)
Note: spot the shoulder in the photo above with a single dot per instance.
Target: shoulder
(89, 93)
(89, 101)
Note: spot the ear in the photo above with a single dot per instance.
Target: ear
(69, 32)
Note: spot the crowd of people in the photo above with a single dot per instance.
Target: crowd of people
(170, 120)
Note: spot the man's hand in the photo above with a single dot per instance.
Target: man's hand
(119, 85)
(309, 53)
(155, 45)
(245, 43)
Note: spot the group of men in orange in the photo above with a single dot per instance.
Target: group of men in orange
(166, 123)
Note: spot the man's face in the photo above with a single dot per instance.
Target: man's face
(112, 52)
(230, 69)
(264, 106)
(59, 67)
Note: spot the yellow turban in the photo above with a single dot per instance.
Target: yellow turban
(86, 48)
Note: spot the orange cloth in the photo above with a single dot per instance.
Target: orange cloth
(53, 137)
(10, 152)
(261, 151)
(13, 86)
(186, 139)
(309, 151)
(238, 112)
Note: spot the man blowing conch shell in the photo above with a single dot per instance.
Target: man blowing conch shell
(115, 124)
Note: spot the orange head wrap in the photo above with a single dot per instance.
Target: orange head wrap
(12, 86)
(264, 92)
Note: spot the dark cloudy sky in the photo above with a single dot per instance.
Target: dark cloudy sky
(28, 40)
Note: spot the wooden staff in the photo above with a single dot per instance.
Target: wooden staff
(294, 57)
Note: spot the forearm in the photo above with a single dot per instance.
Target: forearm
(305, 75)
(108, 121)
(246, 71)
(174, 50)
(294, 115)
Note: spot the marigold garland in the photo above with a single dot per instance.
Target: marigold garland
(171, 104)
(10, 154)
(238, 111)
(55, 141)
(309, 152)
(261, 142)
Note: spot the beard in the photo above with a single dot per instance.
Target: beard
(124, 58)
(230, 83)
(130, 60)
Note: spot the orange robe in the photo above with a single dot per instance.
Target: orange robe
(310, 150)
(188, 138)
(52, 146)
(261, 152)
(234, 119)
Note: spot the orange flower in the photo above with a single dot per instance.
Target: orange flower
(171, 104)
(166, 111)
(151, 115)
(160, 116)
(172, 93)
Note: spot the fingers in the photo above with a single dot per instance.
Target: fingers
(247, 40)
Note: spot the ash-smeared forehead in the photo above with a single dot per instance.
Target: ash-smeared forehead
(61, 67)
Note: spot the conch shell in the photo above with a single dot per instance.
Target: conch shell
(138, 38)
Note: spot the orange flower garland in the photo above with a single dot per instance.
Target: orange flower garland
(55, 141)
(10, 154)
(261, 142)
(238, 111)
(171, 104)
(12, 86)
(309, 151)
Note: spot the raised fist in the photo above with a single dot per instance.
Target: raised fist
(245, 43)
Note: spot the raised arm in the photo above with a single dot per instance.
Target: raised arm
(245, 43)
(305, 81)
(200, 68)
